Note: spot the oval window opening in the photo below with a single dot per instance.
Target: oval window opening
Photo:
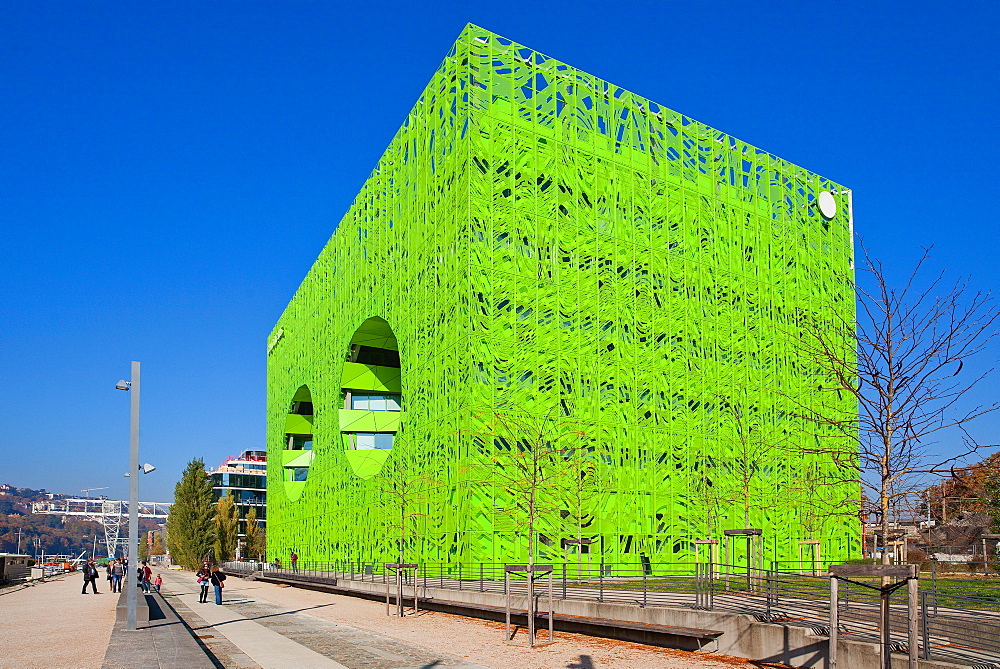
(371, 390)
(297, 456)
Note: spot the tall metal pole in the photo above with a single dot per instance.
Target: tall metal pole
(834, 622)
(133, 500)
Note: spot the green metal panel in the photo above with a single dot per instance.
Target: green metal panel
(365, 465)
(297, 424)
(371, 377)
(369, 421)
(538, 237)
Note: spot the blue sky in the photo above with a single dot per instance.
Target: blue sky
(169, 171)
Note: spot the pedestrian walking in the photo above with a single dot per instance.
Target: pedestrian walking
(110, 583)
(219, 581)
(90, 575)
(204, 575)
(117, 572)
(145, 573)
(157, 583)
(295, 561)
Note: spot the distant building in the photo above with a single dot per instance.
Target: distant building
(244, 477)
(13, 567)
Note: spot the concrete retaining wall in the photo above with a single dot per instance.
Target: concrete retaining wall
(743, 636)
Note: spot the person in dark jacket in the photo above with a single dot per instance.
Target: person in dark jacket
(217, 579)
(145, 573)
(90, 575)
(117, 572)
(204, 575)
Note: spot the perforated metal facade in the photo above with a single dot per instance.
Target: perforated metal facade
(536, 236)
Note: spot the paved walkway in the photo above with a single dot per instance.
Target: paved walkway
(276, 636)
(51, 624)
(164, 642)
(274, 626)
(268, 626)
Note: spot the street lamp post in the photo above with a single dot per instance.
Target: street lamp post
(132, 582)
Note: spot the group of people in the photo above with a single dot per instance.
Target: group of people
(116, 570)
(210, 576)
(207, 576)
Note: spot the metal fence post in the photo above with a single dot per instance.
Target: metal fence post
(924, 632)
(767, 596)
(564, 580)
(600, 580)
(834, 624)
(644, 587)
(711, 584)
(934, 583)
(911, 616)
(480, 577)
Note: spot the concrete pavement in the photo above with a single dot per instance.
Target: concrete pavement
(50, 624)
(262, 645)
(274, 636)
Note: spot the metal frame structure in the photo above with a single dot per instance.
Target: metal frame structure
(109, 512)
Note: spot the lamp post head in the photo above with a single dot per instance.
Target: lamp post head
(123, 385)
(144, 469)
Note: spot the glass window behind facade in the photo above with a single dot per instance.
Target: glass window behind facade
(369, 441)
(361, 402)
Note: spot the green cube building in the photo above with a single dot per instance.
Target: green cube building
(538, 242)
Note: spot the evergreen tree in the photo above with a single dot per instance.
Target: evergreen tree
(191, 525)
(255, 536)
(991, 498)
(227, 528)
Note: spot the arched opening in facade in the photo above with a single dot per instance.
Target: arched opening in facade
(297, 456)
(371, 390)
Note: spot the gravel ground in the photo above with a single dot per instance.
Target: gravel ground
(52, 626)
(472, 641)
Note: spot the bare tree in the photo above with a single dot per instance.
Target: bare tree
(528, 456)
(403, 486)
(901, 360)
(754, 446)
(581, 488)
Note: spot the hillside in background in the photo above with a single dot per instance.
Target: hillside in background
(43, 532)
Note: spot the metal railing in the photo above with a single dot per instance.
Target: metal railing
(959, 621)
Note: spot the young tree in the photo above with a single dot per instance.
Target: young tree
(158, 548)
(581, 488)
(254, 536)
(527, 457)
(227, 528)
(403, 486)
(753, 484)
(191, 525)
(991, 498)
(902, 361)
